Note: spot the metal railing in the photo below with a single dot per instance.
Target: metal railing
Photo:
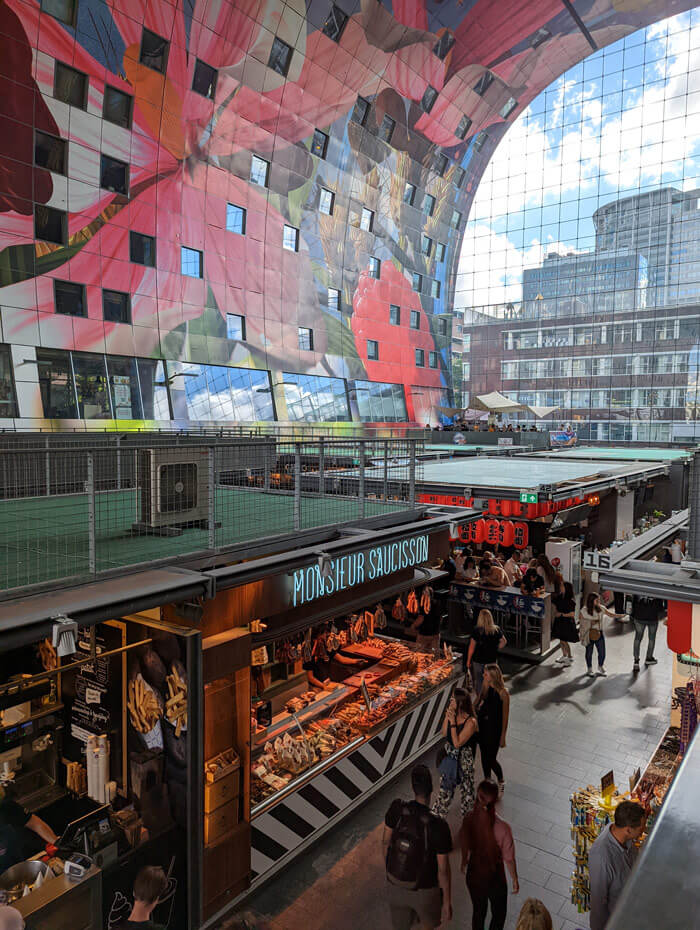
(76, 507)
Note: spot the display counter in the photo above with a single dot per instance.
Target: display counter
(65, 904)
(526, 620)
(312, 767)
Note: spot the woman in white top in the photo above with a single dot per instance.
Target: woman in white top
(547, 573)
(591, 631)
(512, 570)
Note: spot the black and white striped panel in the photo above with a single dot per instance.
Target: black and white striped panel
(289, 824)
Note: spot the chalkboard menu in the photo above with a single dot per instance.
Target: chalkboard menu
(92, 694)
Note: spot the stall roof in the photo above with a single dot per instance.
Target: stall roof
(614, 454)
(491, 476)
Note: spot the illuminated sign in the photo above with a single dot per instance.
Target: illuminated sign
(355, 568)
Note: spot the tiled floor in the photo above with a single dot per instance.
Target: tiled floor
(566, 730)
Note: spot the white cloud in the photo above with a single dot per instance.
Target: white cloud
(585, 146)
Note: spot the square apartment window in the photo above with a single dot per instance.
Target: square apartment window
(442, 326)
(480, 140)
(483, 84)
(235, 327)
(116, 306)
(70, 85)
(433, 359)
(306, 339)
(50, 225)
(280, 57)
(204, 79)
(444, 44)
(429, 97)
(360, 111)
(508, 107)
(117, 107)
(440, 252)
(459, 177)
(463, 127)
(435, 289)
(259, 171)
(420, 358)
(428, 205)
(441, 162)
(334, 25)
(334, 299)
(63, 10)
(319, 143)
(372, 350)
(50, 152)
(375, 268)
(395, 315)
(142, 249)
(367, 220)
(426, 245)
(456, 219)
(409, 194)
(415, 319)
(114, 175)
(154, 51)
(417, 282)
(290, 238)
(235, 219)
(326, 200)
(191, 262)
(386, 128)
(69, 298)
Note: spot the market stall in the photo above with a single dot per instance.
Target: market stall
(94, 763)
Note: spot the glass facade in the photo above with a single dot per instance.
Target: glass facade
(381, 403)
(580, 272)
(317, 399)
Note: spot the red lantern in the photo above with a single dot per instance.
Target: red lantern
(506, 508)
(491, 532)
(520, 535)
(480, 531)
(532, 511)
(506, 532)
(493, 507)
(680, 626)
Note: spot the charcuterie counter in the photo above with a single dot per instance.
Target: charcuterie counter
(312, 767)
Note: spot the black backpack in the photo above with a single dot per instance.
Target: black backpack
(408, 848)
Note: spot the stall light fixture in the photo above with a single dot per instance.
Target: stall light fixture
(63, 635)
(454, 530)
(325, 564)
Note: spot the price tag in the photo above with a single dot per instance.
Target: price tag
(92, 696)
(607, 783)
(365, 695)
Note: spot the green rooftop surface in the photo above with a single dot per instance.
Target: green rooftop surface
(46, 538)
(610, 453)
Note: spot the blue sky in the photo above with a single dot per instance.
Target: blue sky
(621, 122)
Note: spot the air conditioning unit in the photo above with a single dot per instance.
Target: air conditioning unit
(174, 490)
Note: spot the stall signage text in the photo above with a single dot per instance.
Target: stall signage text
(357, 568)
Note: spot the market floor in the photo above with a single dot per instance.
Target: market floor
(566, 730)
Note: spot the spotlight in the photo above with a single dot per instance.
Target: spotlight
(63, 635)
(325, 564)
(454, 531)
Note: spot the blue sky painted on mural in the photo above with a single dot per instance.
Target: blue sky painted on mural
(622, 122)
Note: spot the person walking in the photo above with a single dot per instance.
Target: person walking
(457, 764)
(493, 711)
(646, 614)
(486, 640)
(610, 860)
(534, 916)
(592, 631)
(564, 626)
(487, 846)
(417, 847)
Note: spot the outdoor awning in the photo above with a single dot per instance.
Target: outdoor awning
(541, 411)
(495, 402)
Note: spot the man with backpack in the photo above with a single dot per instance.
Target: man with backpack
(417, 846)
